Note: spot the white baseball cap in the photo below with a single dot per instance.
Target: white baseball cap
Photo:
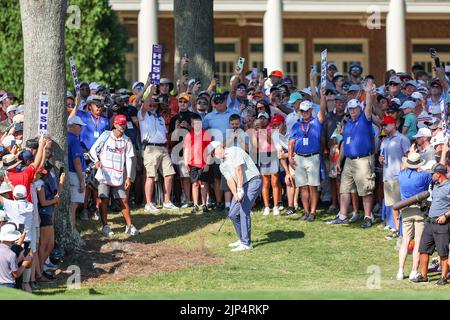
(423, 132)
(353, 104)
(11, 108)
(417, 95)
(305, 105)
(408, 104)
(9, 232)
(75, 120)
(437, 140)
(20, 192)
(263, 114)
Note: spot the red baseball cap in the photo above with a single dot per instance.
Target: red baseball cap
(277, 73)
(120, 120)
(389, 120)
(277, 119)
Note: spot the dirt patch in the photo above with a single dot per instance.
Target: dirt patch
(119, 260)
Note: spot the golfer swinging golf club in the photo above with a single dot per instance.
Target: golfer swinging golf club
(244, 181)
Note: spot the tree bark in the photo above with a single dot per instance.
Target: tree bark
(44, 70)
(194, 35)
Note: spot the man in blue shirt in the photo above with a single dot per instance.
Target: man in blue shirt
(77, 165)
(96, 123)
(217, 124)
(436, 234)
(411, 182)
(358, 172)
(305, 143)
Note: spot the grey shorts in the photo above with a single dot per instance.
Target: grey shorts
(117, 192)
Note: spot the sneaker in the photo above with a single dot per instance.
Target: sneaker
(150, 208)
(400, 275)
(289, 211)
(355, 218)
(84, 216)
(413, 275)
(35, 285)
(304, 217)
(50, 266)
(393, 235)
(205, 209)
(266, 211)
(338, 221)
(367, 223)
(419, 279)
(96, 216)
(387, 228)
(184, 205)
(276, 211)
(170, 206)
(241, 247)
(280, 207)
(235, 244)
(220, 206)
(332, 209)
(107, 231)
(195, 209)
(442, 282)
(311, 217)
(131, 230)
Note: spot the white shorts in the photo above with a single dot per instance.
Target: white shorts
(75, 195)
(307, 171)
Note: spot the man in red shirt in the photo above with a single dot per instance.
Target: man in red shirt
(25, 177)
(195, 145)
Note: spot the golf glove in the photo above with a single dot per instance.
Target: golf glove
(239, 194)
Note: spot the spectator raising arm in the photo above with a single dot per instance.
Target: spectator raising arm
(234, 83)
(440, 73)
(40, 152)
(371, 94)
(312, 84)
(323, 105)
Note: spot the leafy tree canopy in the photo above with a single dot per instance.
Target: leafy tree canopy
(98, 45)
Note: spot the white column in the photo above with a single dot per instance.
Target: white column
(273, 36)
(396, 36)
(147, 36)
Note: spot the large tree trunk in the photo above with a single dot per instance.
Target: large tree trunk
(44, 63)
(194, 35)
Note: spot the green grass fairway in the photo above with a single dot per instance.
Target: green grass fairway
(290, 260)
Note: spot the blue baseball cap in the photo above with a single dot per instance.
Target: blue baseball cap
(294, 97)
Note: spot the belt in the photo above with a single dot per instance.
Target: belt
(154, 144)
(431, 220)
(306, 155)
(359, 157)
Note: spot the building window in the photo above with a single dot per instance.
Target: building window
(343, 52)
(226, 55)
(293, 59)
(421, 52)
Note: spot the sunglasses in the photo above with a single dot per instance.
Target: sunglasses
(182, 101)
(394, 84)
(217, 101)
(251, 93)
(202, 103)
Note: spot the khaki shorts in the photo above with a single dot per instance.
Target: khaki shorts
(358, 176)
(307, 171)
(391, 192)
(75, 195)
(413, 222)
(157, 159)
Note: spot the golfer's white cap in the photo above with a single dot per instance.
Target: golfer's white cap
(213, 145)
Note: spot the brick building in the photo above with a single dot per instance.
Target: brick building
(289, 34)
